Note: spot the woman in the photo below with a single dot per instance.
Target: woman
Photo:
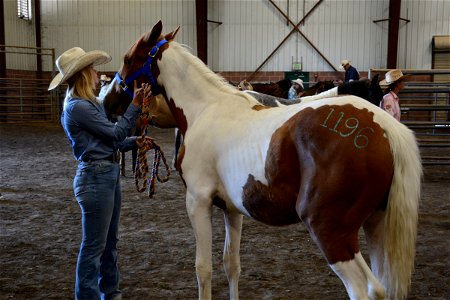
(95, 140)
(394, 80)
(296, 89)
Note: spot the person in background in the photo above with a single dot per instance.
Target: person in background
(350, 72)
(394, 80)
(296, 89)
(104, 84)
(95, 140)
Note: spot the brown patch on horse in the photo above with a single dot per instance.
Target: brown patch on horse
(220, 203)
(180, 158)
(178, 115)
(274, 204)
(333, 167)
(260, 107)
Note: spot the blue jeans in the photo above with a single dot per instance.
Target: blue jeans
(97, 190)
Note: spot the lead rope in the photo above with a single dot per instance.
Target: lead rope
(141, 169)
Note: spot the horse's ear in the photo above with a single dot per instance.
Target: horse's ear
(155, 33)
(171, 36)
(374, 80)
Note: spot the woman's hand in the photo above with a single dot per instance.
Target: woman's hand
(145, 141)
(141, 93)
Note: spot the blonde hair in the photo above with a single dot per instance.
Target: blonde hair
(81, 86)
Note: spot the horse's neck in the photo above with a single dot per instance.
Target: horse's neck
(189, 83)
(182, 81)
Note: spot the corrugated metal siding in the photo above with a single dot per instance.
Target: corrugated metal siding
(18, 33)
(428, 18)
(251, 30)
(112, 26)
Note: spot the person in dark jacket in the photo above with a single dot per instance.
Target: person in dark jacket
(350, 72)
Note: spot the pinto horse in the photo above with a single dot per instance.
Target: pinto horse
(313, 162)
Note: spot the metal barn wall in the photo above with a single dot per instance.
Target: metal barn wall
(112, 26)
(249, 32)
(18, 32)
(340, 29)
(428, 18)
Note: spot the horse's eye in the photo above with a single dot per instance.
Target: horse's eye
(126, 60)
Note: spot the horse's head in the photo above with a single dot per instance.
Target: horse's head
(244, 85)
(139, 64)
(284, 84)
(375, 91)
(325, 86)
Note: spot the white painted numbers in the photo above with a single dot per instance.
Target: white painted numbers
(351, 125)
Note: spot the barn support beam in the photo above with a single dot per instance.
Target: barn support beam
(394, 24)
(302, 34)
(2, 42)
(37, 20)
(290, 33)
(201, 10)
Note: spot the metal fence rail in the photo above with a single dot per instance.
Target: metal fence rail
(23, 93)
(425, 106)
(27, 101)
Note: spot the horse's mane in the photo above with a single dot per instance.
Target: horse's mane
(208, 75)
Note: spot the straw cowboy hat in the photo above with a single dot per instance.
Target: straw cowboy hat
(75, 60)
(299, 82)
(392, 76)
(343, 63)
(103, 77)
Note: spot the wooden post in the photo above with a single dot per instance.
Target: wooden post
(2, 42)
(394, 23)
(37, 18)
(201, 10)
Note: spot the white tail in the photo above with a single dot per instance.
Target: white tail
(401, 218)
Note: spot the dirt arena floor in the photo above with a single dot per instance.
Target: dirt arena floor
(40, 234)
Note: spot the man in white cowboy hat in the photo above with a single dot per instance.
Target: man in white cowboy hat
(95, 140)
(350, 72)
(104, 79)
(104, 84)
(394, 82)
(295, 89)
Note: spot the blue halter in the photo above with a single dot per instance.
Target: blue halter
(146, 70)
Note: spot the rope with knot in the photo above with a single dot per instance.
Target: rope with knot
(141, 169)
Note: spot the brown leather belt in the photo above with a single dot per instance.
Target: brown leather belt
(115, 158)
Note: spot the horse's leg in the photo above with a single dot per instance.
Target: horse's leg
(335, 230)
(122, 163)
(358, 279)
(374, 230)
(178, 140)
(199, 211)
(133, 159)
(231, 259)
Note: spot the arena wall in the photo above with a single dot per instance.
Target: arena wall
(249, 31)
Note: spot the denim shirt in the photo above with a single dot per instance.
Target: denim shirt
(92, 134)
(292, 93)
